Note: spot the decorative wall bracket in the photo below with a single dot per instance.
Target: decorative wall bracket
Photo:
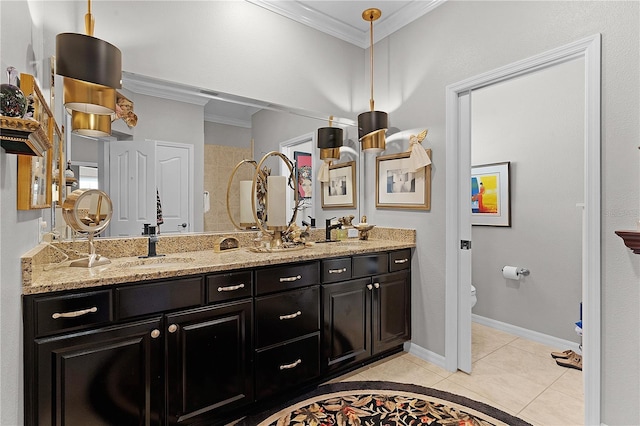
(631, 239)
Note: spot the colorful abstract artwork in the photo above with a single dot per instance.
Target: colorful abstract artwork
(490, 203)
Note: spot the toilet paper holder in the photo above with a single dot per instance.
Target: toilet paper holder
(520, 271)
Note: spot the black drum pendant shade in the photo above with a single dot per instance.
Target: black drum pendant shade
(89, 59)
(329, 141)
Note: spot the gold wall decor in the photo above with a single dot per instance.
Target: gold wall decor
(35, 172)
(28, 135)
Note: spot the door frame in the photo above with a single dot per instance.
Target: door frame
(458, 174)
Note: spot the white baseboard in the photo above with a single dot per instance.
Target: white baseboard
(425, 354)
(535, 336)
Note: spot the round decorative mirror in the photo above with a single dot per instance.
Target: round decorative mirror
(88, 211)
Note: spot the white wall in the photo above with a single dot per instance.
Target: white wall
(224, 134)
(461, 39)
(536, 122)
(16, 25)
(235, 47)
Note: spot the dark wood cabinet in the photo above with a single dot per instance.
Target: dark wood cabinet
(205, 348)
(208, 360)
(363, 317)
(107, 376)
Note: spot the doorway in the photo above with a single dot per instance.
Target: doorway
(458, 228)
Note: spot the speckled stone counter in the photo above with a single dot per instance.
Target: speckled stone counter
(45, 269)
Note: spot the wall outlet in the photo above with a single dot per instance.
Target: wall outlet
(352, 233)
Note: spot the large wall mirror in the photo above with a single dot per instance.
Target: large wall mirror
(221, 130)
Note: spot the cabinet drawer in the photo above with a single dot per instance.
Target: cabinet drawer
(399, 260)
(334, 270)
(63, 313)
(287, 365)
(161, 296)
(287, 315)
(269, 280)
(234, 285)
(370, 264)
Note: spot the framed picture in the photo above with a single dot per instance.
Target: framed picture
(304, 172)
(340, 191)
(490, 195)
(399, 187)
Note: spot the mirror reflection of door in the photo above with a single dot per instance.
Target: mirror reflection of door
(150, 182)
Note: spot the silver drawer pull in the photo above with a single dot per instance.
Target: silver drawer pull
(376, 285)
(292, 365)
(401, 261)
(290, 316)
(290, 279)
(231, 287)
(369, 286)
(337, 271)
(74, 313)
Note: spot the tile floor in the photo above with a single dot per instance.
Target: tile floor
(513, 374)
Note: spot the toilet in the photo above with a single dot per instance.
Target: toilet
(474, 299)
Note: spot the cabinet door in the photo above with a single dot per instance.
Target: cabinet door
(391, 310)
(347, 322)
(208, 360)
(108, 376)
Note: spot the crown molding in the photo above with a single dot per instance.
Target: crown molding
(300, 13)
(214, 118)
(165, 90)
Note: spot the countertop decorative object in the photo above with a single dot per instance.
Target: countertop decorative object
(44, 269)
(225, 244)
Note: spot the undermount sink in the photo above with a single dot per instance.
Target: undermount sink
(155, 262)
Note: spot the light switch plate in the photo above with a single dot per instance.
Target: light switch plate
(352, 233)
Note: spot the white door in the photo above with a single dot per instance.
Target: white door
(132, 186)
(174, 179)
(464, 231)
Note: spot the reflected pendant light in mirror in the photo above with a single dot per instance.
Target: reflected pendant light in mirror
(372, 124)
(330, 140)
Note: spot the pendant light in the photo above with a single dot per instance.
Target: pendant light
(92, 69)
(329, 141)
(94, 125)
(372, 124)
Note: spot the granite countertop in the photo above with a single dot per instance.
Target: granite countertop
(41, 276)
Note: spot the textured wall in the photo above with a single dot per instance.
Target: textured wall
(219, 162)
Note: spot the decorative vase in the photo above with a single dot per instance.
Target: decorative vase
(13, 103)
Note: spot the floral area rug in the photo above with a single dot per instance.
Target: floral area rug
(382, 404)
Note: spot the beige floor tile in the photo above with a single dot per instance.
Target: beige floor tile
(539, 369)
(508, 389)
(449, 386)
(534, 347)
(402, 370)
(425, 364)
(555, 408)
(486, 340)
(570, 383)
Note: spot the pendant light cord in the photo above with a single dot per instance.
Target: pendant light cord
(371, 65)
(89, 22)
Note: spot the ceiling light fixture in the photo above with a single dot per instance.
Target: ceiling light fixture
(92, 69)
(330, 140)
(372, 124)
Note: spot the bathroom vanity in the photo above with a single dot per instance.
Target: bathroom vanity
(203, 337)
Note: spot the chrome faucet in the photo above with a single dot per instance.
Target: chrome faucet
(329, 227)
